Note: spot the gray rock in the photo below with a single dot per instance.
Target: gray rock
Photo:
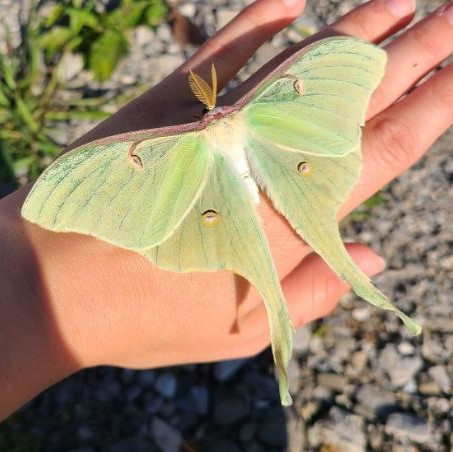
(200, 397)
(429, 388)
(295, 430)
(166, 384)
(399, 369)
(108, 391)
(131, 444)
(144, 35)
(261, 386)
(59, 135)
(301, 340)
(225, 16)
(147, 377)
(309, 409)
(374, 402)
(154, 405)
(247, 432)
(410, 387)
(440, 324)
(82, 449)
(294, 380)
(219, 445)
(70, 66)
(188, 9)
(224, 370)
(441, 377)
(408, 426)
(358, 362)
(230, 408)
(272, 429)
(332, 381)
(163, 33)
(342, 431)
(406, 348)
(84, 433)
(133, 392)
(361, 313)
(128, 375)
(167, 437)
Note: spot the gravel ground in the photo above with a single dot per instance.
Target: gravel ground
(360, 381)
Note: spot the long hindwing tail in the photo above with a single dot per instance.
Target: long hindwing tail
(222, 231)
(131, 194)
(304, 146)
(317, 103)
(308, 191)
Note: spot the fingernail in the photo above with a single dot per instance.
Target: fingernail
(375, 266)
(401, 8)
(381, 264)
(447, 12)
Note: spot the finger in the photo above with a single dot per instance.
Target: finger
(398, 137)
(373, 21)
(312, 290)
(234, 44)
(229, 49)
(414, 54)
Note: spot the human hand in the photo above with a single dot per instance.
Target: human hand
(110, 306)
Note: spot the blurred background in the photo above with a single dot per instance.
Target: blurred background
(360, 382)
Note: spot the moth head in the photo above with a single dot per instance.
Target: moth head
(206, 94)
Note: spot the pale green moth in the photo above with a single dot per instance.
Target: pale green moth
(185, 196)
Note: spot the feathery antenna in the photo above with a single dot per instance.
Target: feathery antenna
(206, 94)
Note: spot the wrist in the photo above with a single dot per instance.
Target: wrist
(33, 353)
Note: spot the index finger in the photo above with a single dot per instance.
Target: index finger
(373, 21)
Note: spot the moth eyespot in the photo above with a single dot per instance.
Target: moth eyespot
(299, 86)
(136, 160)
(304, 168)
(210, 218)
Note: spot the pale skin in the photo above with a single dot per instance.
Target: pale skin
(70, 301)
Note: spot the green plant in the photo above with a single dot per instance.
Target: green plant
(100, 37)
(365, 209)
(24, 101)
(30, 82)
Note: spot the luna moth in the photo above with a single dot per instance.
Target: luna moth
(185, 196)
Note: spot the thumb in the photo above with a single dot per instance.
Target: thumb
(312, 289)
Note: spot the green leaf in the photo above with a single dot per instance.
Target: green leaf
(34, 62)
(105, 54)
(156, 12)
(26, 115)
(54, 40)
(67, 115)
(6, 163)
(8, 72)
(132, 13)
(79, 18)
(23, 163)
(54, 15)
(365, 210)
(48, 148)
(4, 102)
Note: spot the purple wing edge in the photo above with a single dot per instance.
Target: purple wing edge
(281, 68)
(145, 134)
